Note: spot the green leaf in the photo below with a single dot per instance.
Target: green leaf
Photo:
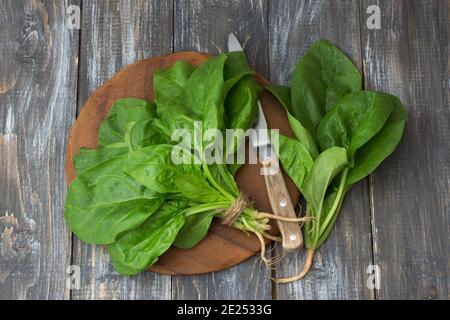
(170, 98)
(204, 93)
(241, 95)
(233, 168)
(168, 88)
(325, 168)
(294, 158)
(123, 112)
(371, 154)
(354, 121)
(327, 165)
(283, 94)
(329, 201)
(103, 223)
(236, 67)
(105, 183)
(103, 202)
(194, 230)
(196, 188)
(241, 109)
(88, 158)
(224, 178)
(241, 112)
(140, 248)
(150, 132)
(152, 166)
(322, 76)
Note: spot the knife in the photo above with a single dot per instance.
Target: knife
(277, 192)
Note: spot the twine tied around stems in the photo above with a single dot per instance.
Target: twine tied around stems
(237, 207)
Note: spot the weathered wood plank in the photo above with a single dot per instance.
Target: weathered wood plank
(113, 35)
(204, 26)
(409, 57)
(339, 270)
(38, 63)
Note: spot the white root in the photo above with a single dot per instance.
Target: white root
(271, 237)
(263, 249)
(306, 267)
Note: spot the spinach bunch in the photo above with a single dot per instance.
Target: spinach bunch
(132, 197)
(342, 134)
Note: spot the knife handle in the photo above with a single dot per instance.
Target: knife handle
(282, 205)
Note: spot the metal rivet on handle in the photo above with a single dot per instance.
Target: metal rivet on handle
(293, 237)
(283, 203)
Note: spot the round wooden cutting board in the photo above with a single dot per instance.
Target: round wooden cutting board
(223, 247)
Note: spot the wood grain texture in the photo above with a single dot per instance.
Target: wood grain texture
(409, 202)
(204, 26)
(38, 63)
(409, 57)
(339, 269)
(113, 35)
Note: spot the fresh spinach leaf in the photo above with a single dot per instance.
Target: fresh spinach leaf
(149, 132)
(322, 76)
(168, 88)
(196, 188)
(204, 92)
(88, 158)
(332, 207)
(103, 223)
(241, 109)
(283, 94)
(222, 175)
(123, 112)
(140, 248)
(354, 121)
(241, 113)
(323, 171)
(371, 154)
(327, 165)
(296, 159)
(194, 229)
(235, 68)
(105, 183)
(233, 168)
(103, 202)
(153, 167)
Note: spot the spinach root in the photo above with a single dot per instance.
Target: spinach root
(306, 266)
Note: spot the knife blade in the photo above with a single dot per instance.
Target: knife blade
(277, 192)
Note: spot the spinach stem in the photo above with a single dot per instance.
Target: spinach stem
(336, 203)
(215, 184)
(205, 207)
(325, 234)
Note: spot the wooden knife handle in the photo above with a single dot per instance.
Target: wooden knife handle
(282, 205)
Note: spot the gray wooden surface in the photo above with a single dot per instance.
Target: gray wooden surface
(398, 219)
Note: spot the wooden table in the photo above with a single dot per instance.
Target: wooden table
(397, 220)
